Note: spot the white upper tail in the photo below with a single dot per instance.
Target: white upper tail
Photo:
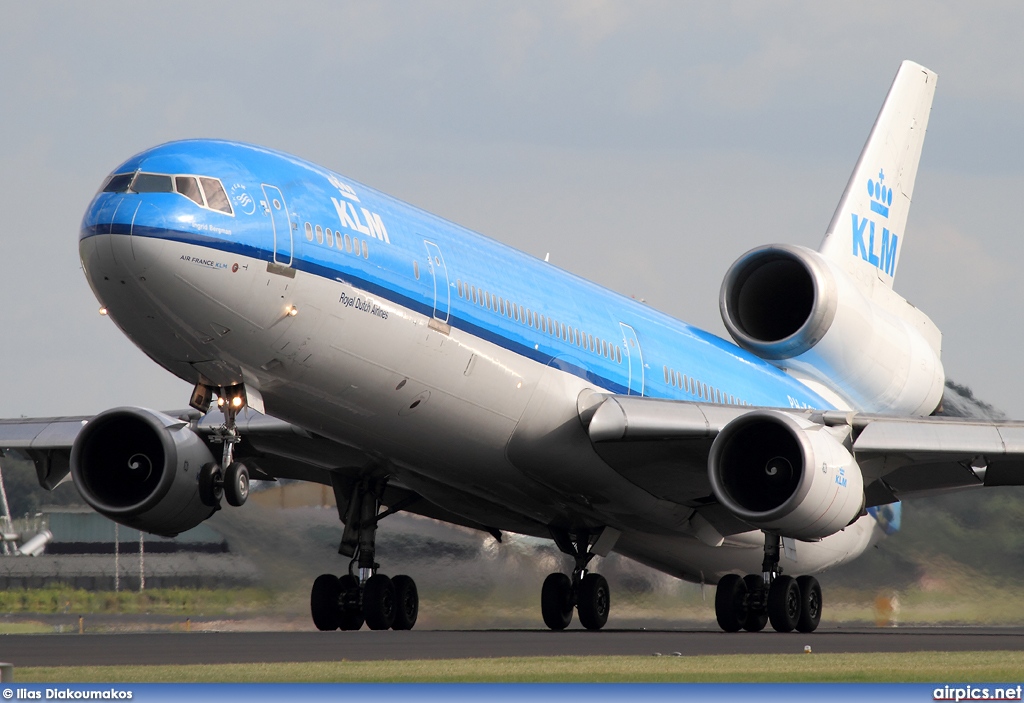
(866, 234)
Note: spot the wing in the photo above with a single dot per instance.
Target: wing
(665, 447)
(270, 448)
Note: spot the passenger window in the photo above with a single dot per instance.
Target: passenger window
(348, 248)
(355, 245)
(152, 183)
(366, 252)
(415, 265)
(216, 198)
(665, 369)
(189, 187)
(119, 183)
(319, 234)
(618, 355)
(329, 236)
(309, 232)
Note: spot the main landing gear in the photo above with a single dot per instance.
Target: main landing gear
(363, 594)
(214, 482)
(587, 592)
(751, 602)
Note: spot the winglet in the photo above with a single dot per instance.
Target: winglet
(866, 234)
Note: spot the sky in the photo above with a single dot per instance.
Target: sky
(643, 145)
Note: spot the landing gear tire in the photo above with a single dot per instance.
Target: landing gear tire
(407, 603)
(730, 603)
(593, 601)
(757, 614)
(810, 604)
(784, 603)
(211, 484)
(556, 601)
(379, 604)
(323, 602)
(236, 484)
(350, 612)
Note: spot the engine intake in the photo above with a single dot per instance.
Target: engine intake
(782, 473)
(798, 310)
(139, 467)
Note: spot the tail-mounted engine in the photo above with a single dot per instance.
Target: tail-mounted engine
(796, 309)
(785, 474)
(139, 468)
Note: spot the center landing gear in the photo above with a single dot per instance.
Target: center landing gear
(587, 592)
(363, 594)
(750, 602)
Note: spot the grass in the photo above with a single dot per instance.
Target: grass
(161, 601)
(899, 667)
(24, 628)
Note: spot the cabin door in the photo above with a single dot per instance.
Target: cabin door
(442, 288)
(631, 347)
(281, 220)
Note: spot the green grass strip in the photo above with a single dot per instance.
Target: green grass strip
(884, 667)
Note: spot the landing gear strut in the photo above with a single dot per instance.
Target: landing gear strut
(363, 594)
(214, 482)
(750, 602)
(587, 592)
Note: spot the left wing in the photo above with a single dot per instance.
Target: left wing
(270, 449)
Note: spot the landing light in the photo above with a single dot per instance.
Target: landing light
(293, 311)
(236, 401)
(103, 311)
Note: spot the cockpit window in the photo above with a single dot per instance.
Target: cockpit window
(192, 187)
(189, 187)
(216, 198)
(152, 183)
(118, 183)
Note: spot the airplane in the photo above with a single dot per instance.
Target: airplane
(337, 335)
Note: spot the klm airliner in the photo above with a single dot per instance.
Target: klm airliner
(337, 335)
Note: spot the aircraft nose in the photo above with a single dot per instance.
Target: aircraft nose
(148, 229)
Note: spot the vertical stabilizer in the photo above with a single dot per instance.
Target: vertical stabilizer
(866, 234)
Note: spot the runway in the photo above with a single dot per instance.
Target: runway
(258, 647)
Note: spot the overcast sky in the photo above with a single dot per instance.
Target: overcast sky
(645, 145)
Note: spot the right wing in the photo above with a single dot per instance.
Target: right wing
(664, 447)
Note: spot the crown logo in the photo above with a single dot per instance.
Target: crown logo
(344, 188)
(881, 195)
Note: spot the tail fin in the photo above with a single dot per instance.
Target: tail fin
(865, 236)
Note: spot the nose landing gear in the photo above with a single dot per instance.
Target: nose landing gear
(214, 482)
(750, 602)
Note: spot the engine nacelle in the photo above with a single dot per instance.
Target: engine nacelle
(800, 311)
(140, 468)
(785, 474)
